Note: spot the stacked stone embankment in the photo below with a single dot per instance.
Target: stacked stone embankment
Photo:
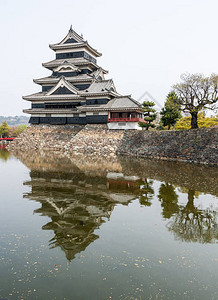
(45, 137)
(4, 143)
(96, 140)
(197, 146)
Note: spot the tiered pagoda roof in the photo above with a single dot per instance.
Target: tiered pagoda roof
(96, 88)
(76, 85)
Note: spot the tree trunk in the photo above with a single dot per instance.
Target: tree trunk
(190, 205)
(194, 120)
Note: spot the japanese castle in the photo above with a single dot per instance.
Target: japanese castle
(77, 91)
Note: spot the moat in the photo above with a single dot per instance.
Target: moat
(81, 227)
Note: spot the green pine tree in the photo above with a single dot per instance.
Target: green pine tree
(171, 111)
(149, 115)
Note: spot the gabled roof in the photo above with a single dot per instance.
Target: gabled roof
(61, 84)
(121, 103)
(101, 86)
(98, 73)
(73, 40)
(71, 35)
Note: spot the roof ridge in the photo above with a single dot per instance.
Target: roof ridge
(109, 83)
(67, 82)
(135, 101)
(73, 31)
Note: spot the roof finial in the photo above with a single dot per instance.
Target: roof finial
(71, 29)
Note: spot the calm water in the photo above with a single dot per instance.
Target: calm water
(85, 228)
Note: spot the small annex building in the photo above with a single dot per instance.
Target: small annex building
(77, 92)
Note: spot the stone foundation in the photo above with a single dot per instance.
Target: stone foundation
(196, 146)
(45, 137)
(97, 140)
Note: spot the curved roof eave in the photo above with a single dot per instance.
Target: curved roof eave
(55, 63)
(47, 80)
(38, 97)
(75, 45)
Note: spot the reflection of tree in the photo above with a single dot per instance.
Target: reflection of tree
(4, 154)
(192, 224)
(146, 192)
(78, 195)
(185, 191)
(169, 199)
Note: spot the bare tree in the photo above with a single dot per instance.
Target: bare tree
(197, 92)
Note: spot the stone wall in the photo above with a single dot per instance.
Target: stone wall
(97, 140)
(197, 146)
(45, 137)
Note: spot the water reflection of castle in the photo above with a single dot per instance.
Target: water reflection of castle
(76, 202)
(79, 194)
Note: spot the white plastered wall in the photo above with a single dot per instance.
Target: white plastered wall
(124, 125)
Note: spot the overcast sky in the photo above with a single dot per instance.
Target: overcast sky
(146, 45)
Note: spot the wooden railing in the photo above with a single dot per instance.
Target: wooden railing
(126, 120)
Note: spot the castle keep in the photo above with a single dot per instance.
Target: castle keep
(77, 92)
